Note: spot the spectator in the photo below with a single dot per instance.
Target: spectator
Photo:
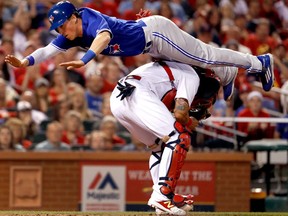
(41, 94)
(135, 145)
(8, 95)
(176, 7)
(214, 21)
(7, 45)
(239, 6)
(261, 42)
(109, 126)
(79, 104)
(194, 24)
(280, 65)
(130, 14)
(241, 22)
(18, 129)
(97, 141)
(73, 130)
(94, 84)
(107, 7)
(58, 90)
(24, 110)
(37, 115)
(106, 111)
(253, 10)
(53, 141)
(26, 77)
(111, 73)
(268, 11)
(205, 34)
(8, 32)
(232, 40)
(282, 9)
(255, 130)
(227, 17)
(5, 14)
(244, 90)
(5, 70)
(165, 10)
(23, 19)
(6, 139)
(58, 112)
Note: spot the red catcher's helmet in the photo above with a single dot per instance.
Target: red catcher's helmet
(59, 13)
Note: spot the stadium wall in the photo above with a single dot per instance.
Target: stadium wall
(52, 181)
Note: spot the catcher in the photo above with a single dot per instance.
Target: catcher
(142, 102)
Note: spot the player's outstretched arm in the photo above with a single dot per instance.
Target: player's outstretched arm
(98, 45)
(12, 60)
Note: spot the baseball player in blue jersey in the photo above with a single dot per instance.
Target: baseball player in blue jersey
(156, 35)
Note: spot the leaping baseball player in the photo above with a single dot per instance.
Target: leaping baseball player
(156, 35)
(138, 104)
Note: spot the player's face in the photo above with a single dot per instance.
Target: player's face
(69, 28)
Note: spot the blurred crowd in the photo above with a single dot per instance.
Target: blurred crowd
(46, 107)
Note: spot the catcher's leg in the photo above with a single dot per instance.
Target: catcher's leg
(172, 161)
(170, 165)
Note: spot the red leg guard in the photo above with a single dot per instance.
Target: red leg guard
(179, 151)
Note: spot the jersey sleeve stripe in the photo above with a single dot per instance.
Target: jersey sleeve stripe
(58, 48)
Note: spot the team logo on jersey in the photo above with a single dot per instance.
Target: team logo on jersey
(114, 49)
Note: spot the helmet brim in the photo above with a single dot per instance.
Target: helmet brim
(57, 24)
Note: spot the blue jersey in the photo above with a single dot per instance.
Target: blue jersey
(127, 37)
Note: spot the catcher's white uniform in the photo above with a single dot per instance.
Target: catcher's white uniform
(147, 118)
(143, 113)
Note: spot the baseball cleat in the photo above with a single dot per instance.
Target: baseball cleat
(187, 207)
(159, 212)
(184, 202)
(188, 199)
(267, 74)
(165, 206)
(229, 88)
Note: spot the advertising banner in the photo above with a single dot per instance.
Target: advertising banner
(196, 178)
(103, 188)
(111, 187)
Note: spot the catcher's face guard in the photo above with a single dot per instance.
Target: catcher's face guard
(206, 94)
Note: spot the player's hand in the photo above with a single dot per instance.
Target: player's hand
(192, 124)
(12, 60)
(72, 64)
(143, 13)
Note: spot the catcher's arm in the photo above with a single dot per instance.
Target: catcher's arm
(181, 113)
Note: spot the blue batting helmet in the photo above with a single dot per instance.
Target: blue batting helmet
(59, 13)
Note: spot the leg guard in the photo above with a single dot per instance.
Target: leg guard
(175, 154)
(154, 163)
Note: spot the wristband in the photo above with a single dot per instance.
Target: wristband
(31, 60)
(89, 55)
